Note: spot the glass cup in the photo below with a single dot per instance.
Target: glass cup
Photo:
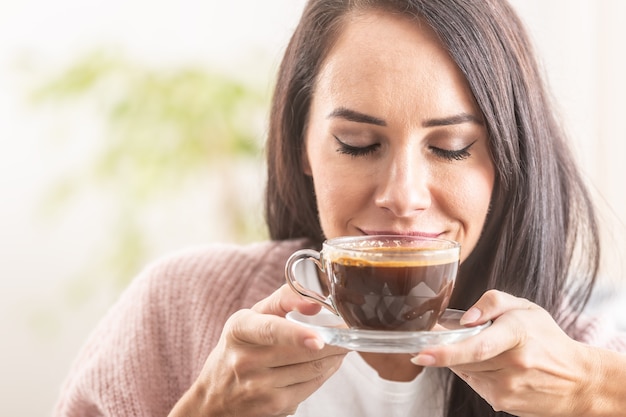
(382, 282)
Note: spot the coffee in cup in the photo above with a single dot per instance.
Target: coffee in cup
(392, 282)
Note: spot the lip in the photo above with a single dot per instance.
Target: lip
(402, 233)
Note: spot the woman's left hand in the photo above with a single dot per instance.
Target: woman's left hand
(523, 363)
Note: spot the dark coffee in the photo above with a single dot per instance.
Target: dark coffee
(391, 296)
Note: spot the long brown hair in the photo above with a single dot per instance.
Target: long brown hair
(540, 240)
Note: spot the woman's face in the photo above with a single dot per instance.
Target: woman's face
(395, 142)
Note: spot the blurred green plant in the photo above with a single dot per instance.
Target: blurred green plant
(162, 129)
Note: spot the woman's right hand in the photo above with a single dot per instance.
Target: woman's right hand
(263, 365)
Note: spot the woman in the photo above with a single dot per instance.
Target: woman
(420, 117)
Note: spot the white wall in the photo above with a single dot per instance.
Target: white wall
(42, 321)
(40, 328)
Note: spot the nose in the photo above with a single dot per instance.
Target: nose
(404, 186)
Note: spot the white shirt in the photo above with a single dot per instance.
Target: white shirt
(357, 390)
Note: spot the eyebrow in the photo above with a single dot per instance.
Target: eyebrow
(457, 119)
(355, 116)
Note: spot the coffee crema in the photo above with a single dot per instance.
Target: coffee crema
(392, 295)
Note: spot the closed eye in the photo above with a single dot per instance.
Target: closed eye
(453, 155)
(355, 151)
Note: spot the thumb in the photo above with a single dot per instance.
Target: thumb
(284, 300)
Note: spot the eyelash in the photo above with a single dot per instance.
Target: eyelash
(356, 151)
(453, 155)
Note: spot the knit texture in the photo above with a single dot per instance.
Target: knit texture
(150, 347)
(152, 344)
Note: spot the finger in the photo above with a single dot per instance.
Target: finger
(295, 393)
(492, 305)
(297, 355)
(252, 328)
(284, 300)
(483, 368)
(484, 385)
(305, 389)
(503, 335)
(299, 373)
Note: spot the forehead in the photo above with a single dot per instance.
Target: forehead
(370, 31)
(382, 59)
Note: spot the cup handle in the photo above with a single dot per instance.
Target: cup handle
(290, 275)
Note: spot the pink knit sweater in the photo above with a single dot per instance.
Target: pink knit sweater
(151, 346)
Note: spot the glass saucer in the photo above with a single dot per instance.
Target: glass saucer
(334, 331)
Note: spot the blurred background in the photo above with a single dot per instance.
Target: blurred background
(132, 128)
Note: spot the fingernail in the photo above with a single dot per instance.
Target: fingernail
(423, 360)
(314, 343)
(470, 316)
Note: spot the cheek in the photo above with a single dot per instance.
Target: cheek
(331, 202)
(339, 198)
(472, 198)
(471, 204)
